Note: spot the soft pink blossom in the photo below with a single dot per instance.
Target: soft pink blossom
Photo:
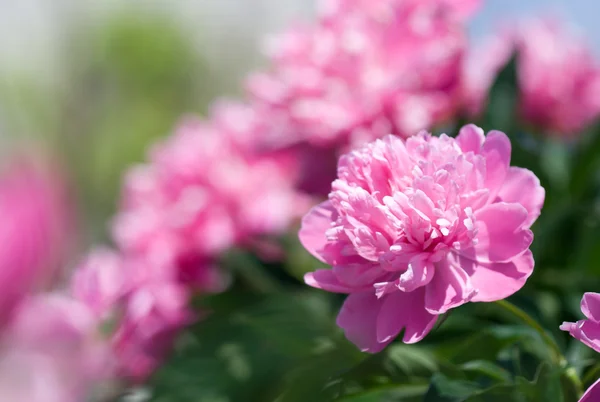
(204, 191)
(558, 76)
(99, 282)
(36, 224)
(143, 305)
(363, 70)
(588, 329)
(415, 228)
(51, 352)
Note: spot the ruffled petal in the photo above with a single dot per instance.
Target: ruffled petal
(497, 281)
(470, 138)
(401, 310)
(449, 288)
(314, 225)
(590, 306)
(358, 319)
(496, 149)
(326, 280)
(501, 234)
(523, 187)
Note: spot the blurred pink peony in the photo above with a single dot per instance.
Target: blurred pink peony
(204, 191)
(143, 306)
(481, 68)
(413, 229)
(587, 330)
(34, 231)
(366, 69)
(51, 352)
(558, 77)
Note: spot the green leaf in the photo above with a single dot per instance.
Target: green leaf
(487, 369)
(412, 359)
(546, 387)
(405, 393)
(444, 389)
(500, 113)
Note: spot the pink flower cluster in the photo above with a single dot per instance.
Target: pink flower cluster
(588, 332)
(558, 77)
(144, 306)
(415, 228)
(204, 191)
(366, 69)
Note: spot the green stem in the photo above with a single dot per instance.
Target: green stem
(557, 355)
(523, 316)
(250, 271)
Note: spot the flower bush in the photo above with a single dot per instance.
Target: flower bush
(380, 158)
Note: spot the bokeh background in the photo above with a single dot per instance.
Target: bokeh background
(99, 81)
(92, 84)
(96, 82)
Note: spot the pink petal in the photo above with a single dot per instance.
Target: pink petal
(523, 187)
(419, 273)
(449, 288)
(501, 233)
(587, 332)
(470, 138)
(401, 310)
(360, 274)
(358, 319)
(590, 306)
(496, 281)
(496, 150)
(592, 394)
(314, 225)
(326, 280)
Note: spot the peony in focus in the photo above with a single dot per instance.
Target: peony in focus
(35, 228)
(415, 228)
(204, 191)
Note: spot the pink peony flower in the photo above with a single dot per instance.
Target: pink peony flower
(144, 306)
(413, 229)
(587, 330)
(204, 191)
(99, 282)
(365, 69)
(558, 77)
(51, 352)
(34, 231)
